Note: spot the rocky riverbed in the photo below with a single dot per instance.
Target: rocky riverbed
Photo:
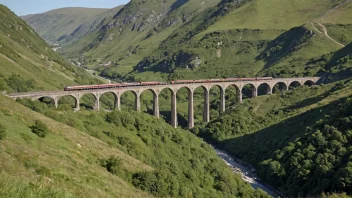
(248, 173)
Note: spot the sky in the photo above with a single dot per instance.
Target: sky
(24, 7)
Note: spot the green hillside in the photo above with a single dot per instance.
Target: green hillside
(134, 32)
(251, 39)
(183, 165)
(27, 62)
(92, 154)
(150, 40)
(301, 137)
(63, 164)
(57, 24)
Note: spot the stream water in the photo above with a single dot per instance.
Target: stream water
(248, 174)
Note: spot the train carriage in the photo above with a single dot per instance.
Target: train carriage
(132, 84)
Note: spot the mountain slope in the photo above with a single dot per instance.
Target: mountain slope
(90, 25)
(28, 63)
(57, 24)
(183, 165)
(302, 138)
(241, 37)
(135, 31)
(63, 164)
(151, 40)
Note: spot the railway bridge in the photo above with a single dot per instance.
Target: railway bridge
(284, 83)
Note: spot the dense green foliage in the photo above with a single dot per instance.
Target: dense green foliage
(18, 84)
(2, 132)
(40, 129)
(184, 165)
(302, 138)
(320, 160)
(113, 164)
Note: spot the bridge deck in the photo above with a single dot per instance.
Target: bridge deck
(133, 87)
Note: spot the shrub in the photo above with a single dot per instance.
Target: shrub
(39, 128)
(112, 164)
(18, 84)
(2, 132)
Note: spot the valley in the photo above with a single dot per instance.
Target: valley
(174, 125)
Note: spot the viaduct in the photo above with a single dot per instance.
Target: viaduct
(284, 83)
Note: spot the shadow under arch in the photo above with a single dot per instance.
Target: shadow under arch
(127, 98)
(201, 104)
(264, 89)
(233, 96)
(249, 91)
(89, 101)
(309, 83)
(49, 101)
(165, 104)
(294, 85)
(108, 100)
(280, 87)
(68, 102)
(217, 101)
(184, 106)
(150, 102)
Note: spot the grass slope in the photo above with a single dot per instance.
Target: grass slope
(135, 32)
(273, 38)
(63, 164)
(56, 24)
(184, 166)
(28, 63)
(273, 14)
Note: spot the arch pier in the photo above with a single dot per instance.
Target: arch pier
(282, 84)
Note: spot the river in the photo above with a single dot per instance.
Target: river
(247, 173)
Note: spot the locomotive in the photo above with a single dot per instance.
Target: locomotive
(133, 84)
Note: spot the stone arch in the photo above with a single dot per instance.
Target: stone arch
(249, 90)
(169, 109)
(217, 97)
(279, 87)
(294, 84)
(125, 99)
(308, 83)
(264, 89)
(48, 100)
(151, 90)
(76, 101)
(89, 100)
(233, 94)
(154, 100)
(108, 99)
(185, 97)
(173, 91)
(204, 106)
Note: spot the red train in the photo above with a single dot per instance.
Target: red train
(110, 86)
(219, 80)
(132, 84)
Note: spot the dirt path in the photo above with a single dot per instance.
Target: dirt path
(327, 35)
(325, 32)
(315, 28)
